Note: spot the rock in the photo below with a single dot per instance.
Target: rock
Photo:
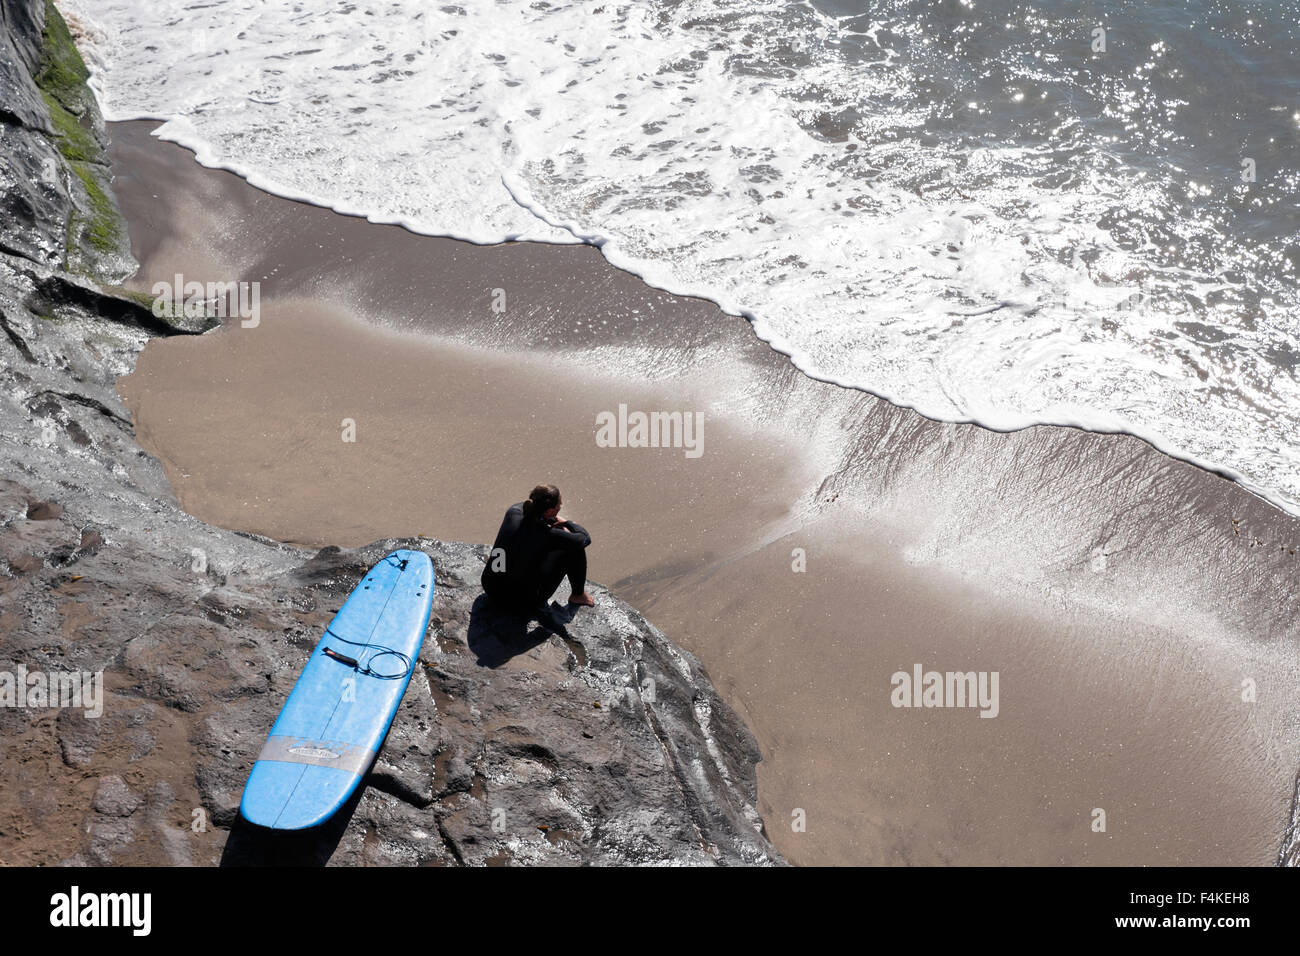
(496, 755)
(55, 186)
(107, 838)
(24, 21)
(21, 43)
(33, 196)
(43, 510)
(78, 737)
(114, 798)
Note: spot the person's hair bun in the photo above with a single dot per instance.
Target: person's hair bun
(542, 500)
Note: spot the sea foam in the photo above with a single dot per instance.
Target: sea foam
(1015, 233)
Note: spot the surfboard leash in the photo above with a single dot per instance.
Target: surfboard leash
(380, 651)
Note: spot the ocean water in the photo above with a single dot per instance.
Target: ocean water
(1006, 212)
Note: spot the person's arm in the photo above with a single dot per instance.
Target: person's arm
(570, 532)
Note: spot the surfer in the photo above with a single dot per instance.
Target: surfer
(535, 550)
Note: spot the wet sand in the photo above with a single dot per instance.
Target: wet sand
(1122, 597)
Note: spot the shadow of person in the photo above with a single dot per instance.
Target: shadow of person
(561, 614)
(498, 631)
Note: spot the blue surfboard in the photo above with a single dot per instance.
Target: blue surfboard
(339, 711)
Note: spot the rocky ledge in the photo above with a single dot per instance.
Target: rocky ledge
(591, 739)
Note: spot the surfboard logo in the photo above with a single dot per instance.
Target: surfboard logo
(319, 753)
(336, 754)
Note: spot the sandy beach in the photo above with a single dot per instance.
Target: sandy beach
(821, 542)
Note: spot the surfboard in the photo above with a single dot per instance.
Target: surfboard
(340, 709)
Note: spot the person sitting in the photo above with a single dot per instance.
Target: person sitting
(534, 551)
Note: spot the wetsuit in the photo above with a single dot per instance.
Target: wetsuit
(537, 557)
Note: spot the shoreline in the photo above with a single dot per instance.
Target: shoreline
(937, 518)
(1156, 441)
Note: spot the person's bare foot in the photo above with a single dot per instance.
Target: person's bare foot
(583, 600)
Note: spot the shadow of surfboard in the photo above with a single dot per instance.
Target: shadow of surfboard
(251, 845)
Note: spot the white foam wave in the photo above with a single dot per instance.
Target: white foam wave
(733, 149)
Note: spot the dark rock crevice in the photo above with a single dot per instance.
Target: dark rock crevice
(83, 400)
(18, 341)
(55, 290)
